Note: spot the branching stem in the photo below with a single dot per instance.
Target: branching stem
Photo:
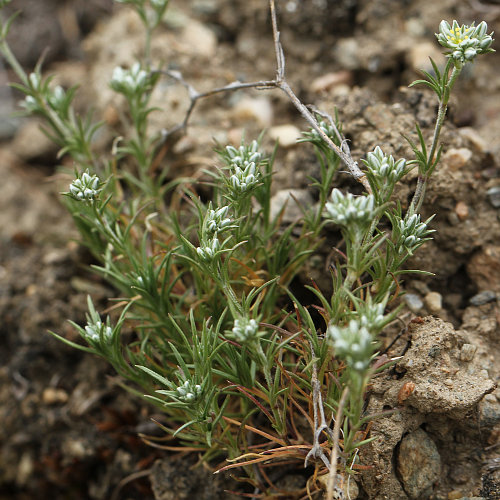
(279, 82)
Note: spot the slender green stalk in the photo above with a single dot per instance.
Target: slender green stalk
(418, 197)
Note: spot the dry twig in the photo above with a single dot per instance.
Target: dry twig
(343, 152)
(319, 423)
(332, 477)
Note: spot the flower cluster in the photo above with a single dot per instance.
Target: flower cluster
(95, 330)
(382, 166)
(85, 187)
(243, 163)
(130, 81)
(208, 251)
(245, 329)
(354, 343)
(373, 317)
(349, 210)
(326, 127)
(216, 220)
(411, 233)
(465, 42)
(188, 392)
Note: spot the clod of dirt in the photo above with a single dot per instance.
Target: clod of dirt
(484, 268)
(444, 383)
(419, 464)
(436, 385)
(172, 480)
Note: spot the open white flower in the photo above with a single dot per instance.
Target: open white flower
(465, 42)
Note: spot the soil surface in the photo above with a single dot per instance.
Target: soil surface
(68, 430)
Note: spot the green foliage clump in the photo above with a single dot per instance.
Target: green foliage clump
(210, 331)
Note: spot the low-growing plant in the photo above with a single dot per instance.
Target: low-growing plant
(210, 330)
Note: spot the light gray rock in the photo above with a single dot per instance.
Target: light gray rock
(434, 302)
(419, 464)
(294, 200)
(494, 196)
(467, 352)
(287, 135)
(414, 302)
(483, 298)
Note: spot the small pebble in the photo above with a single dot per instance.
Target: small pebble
(330, 80)
(256, 108)
(414, 302)
(490, 398)
(294, 200)
(494, 196)
(434, 302)
(55, 257)
(467, 352)
(52, 396)
(350, 487)
(346, 53)
(483, 298)
(75, 448)
(198, 35)
(421, 287)
(455, 495)
(462, 210)
(25, 469)
(418, 464)
(287, 135)
(457, 158)
(418, 55)
(448, 383)
(474, 138)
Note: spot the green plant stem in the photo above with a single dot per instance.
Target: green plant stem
(418, 197)
(14, 64)
(269, 381)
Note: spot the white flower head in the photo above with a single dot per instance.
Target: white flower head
(188, 391)
(209, 251)
(216, 219)
(383, 166)
(96, 329)
(130, 81)
(85, 187)
(464, 42)
(243, 163)
(349, 210)
(411, 233)
(353, 343)
(245, 329)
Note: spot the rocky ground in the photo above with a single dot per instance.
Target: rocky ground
(68, 430)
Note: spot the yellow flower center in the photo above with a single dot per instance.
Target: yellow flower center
(458, 35)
